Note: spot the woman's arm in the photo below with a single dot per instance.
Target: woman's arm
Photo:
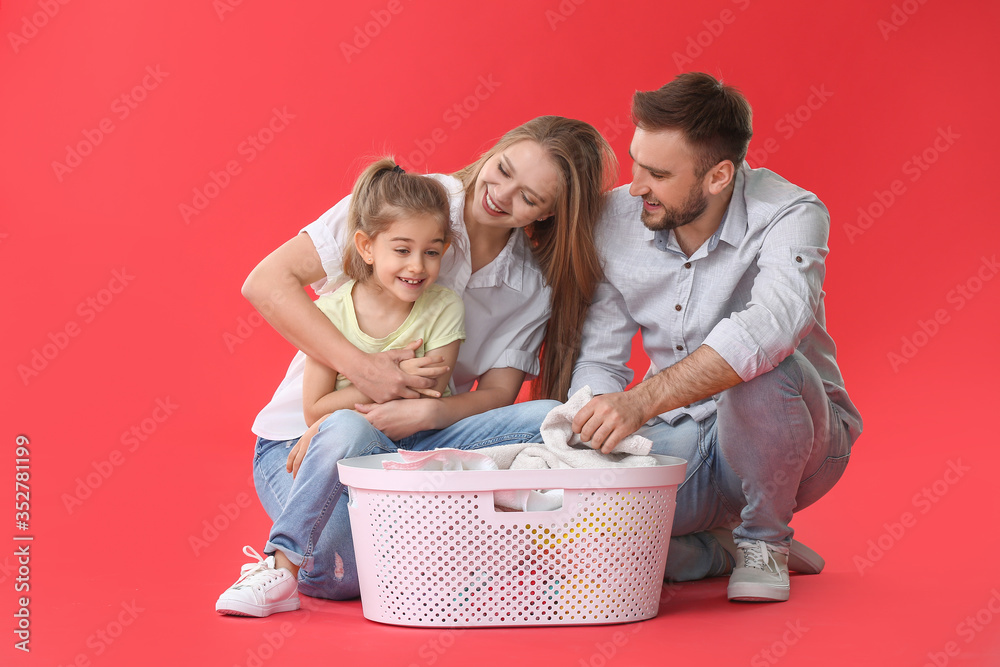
(320, 396)
(276, 289)
(497, 387)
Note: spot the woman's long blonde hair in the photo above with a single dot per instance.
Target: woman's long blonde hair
(563, 244)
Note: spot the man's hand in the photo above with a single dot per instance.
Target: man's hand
(606, 420)
(402, 418)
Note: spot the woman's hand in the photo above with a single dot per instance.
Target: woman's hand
(276, 289)
(402, 418)
(382, 375)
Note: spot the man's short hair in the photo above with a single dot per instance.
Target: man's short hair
(715, 118)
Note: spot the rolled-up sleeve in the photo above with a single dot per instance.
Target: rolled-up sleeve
(785, 296)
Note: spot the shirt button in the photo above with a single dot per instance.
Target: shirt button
(798, 259)
(687, 265)
(680, 347)
(677, 307)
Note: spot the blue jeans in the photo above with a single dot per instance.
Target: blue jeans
(312, 528)
(775, 445)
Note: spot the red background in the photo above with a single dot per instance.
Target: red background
(893, 75)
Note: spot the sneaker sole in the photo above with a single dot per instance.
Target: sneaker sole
(757, 593)
(237, 608)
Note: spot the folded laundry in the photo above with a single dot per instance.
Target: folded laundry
(560, 448)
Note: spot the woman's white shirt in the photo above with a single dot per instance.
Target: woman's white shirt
(506, 308)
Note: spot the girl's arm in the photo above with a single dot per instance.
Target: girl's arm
(320, 396)
(276, 289)
(497, 387)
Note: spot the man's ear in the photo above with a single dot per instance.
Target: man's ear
(720, 176)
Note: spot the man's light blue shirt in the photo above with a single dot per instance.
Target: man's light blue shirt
(753, 292)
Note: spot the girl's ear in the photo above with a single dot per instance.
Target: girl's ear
(363, 244)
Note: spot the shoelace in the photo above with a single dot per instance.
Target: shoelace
(756, 555)
(255, 574)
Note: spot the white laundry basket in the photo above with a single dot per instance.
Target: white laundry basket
(432, 550)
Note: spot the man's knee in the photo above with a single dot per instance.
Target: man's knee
(786, 380)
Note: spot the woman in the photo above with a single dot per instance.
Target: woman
(522, 255)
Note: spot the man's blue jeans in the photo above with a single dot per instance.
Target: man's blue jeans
(312, 526)
(775, 445)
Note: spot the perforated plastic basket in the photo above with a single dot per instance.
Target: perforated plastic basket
(432, 550)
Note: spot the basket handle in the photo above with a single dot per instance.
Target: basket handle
(528, 500)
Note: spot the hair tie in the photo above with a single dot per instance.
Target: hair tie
(399, 170)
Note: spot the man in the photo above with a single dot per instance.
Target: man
(724, 277)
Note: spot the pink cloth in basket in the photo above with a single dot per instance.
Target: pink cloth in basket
(441, 459)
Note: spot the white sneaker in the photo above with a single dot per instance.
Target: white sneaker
(261, 590)
(801, 558)
(760, 575)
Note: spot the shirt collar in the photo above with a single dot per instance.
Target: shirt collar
(507, 267)
(731, 229)
(734, 222)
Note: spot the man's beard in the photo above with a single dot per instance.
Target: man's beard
(690, 210)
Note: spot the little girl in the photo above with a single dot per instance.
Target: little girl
(400, 227)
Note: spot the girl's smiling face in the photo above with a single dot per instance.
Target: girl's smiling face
(406, 257)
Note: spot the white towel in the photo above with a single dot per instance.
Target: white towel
(560, 448)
